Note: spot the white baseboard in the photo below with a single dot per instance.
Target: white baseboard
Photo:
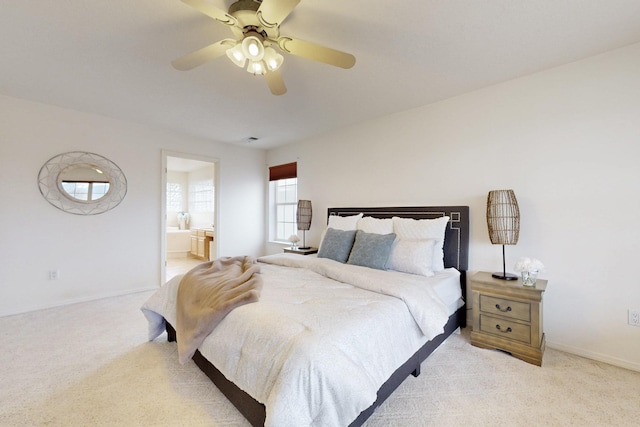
(77, 300)
(621, 363)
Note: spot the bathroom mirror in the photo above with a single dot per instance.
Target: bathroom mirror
(82, 183)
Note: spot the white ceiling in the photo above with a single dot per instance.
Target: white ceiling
(112, 57)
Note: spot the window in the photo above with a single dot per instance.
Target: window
(174, 197)
(283, 200)
(201, 196)
(286, 202)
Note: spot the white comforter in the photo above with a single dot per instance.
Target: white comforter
(322, 339)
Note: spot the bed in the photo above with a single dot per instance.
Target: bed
(282, 385)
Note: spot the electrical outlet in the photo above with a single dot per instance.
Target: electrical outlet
(54, 275)
(634, 317)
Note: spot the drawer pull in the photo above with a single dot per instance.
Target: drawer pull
(506, 331)
(505, 310)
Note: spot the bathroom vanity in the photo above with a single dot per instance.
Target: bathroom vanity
(201, 239)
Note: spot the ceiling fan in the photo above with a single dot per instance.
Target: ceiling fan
(256, 27)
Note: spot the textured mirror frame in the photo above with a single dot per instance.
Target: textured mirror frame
(49, 183)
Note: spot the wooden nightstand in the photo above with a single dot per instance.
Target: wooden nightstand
(508, 316)
(301, 251)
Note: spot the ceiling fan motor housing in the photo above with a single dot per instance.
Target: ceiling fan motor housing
(244, 5)
(246, 13)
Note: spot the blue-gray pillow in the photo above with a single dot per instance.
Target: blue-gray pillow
(337, 244)
(371, 250)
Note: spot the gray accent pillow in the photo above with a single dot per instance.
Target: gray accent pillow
(337, 244)
(371, 250)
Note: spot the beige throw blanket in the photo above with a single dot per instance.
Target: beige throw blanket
(207, 293)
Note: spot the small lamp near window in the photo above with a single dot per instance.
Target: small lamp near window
(303, 218)
(503, 222)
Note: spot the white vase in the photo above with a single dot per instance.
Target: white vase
(529, 277)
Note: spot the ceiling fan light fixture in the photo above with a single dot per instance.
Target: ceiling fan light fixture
(272, 59)
(236, 56)
(253, 48)
(256, 67)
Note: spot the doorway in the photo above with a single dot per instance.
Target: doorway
(189, 212)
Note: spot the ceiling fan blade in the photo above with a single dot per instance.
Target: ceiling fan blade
(275, 82)
(199, 57)
(212, 11)
(316, 52)
(272, 12)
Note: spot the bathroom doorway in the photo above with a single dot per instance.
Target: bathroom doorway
(189, 212)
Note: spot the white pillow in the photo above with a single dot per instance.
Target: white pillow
(420, 229)
(412, 256)
(369, 224)
(344, 222)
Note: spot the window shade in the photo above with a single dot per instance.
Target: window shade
(289, 170)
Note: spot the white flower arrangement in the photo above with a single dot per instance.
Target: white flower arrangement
(183, 216)
(183, 220)
(294, 238)
(529, 264)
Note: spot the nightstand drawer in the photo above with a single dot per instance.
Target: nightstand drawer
(505, 329)
(505, 307)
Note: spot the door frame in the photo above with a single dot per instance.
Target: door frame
(163, 202)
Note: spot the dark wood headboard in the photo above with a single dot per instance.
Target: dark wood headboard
(456, 240)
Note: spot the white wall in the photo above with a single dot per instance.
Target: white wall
(566, 140)
(118, 251)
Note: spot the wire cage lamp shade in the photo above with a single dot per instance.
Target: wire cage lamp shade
(503, 223)
(303, 219)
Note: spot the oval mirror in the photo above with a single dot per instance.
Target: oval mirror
(82, 183)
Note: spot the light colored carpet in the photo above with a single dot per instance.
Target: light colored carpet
(89, 365)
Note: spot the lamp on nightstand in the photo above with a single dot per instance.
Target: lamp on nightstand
(303, 218)
(503, 222)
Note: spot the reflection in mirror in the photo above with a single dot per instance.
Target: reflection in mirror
(84, 182)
